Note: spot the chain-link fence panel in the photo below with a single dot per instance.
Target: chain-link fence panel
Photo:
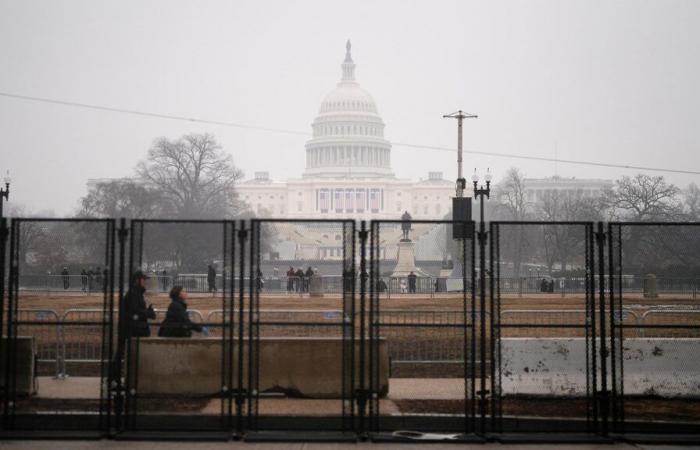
(542, 344)
(176, 363)
(301, 352)
(422, 329)
(653, 269)
(36, 385)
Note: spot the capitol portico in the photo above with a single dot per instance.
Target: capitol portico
(348, 170)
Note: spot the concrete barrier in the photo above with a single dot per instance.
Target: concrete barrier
(24, 364)
(668, 367)
(300, 367)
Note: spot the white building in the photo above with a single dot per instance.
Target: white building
(537, 189)
(348, 170)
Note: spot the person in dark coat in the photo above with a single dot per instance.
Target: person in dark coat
(177, 322)
(259, 282)
(412, 277)
(134, 317)
(66, 278)
(381, 285)
(307, 278)
(290, 279)
(211, 278)
(135, 310)
(84, 279)
(300, 279)
(164, 280)
(91, 276)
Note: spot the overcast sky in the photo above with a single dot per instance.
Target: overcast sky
(605, 81)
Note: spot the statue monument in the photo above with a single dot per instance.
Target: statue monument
(406, 255)
(405, 226)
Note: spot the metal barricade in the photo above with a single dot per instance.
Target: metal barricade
(676, 323)
(47, 336)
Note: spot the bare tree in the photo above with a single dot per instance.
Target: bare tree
(643, 198)
(194, 176)
(562, 243)
(510, 197)
(691, 202)
(30, 234)
(122, 198)
(512, 205)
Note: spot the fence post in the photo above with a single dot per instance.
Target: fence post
(362, 391)
(61, 349)
(600, 237)
(115, 367)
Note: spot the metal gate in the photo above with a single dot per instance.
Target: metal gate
(417, 266)
(543, 345)
(301, 362)
(36, 395)
(174, 384)
(654, 271)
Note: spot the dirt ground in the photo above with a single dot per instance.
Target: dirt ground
(205, 302)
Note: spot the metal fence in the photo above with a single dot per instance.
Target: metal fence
(66, 348)
(653, 362)
(608, 346)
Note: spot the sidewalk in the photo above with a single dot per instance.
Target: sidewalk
(116, 445)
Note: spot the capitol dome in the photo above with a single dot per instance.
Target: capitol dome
(348, 133)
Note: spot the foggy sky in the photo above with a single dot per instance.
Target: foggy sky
(606, 81)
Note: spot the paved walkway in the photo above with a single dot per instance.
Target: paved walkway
(116, 445)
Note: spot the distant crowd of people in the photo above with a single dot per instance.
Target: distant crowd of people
(298, 280)
(546, 286)
(90, 279)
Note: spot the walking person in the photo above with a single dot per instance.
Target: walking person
(300, 280)
(133, 317)
(412, 278)
(290, 279)
(164, 280)
(211, 278)
(259, 283)
(135, 310)
(307, 278)
(177, 321)
(66, 278)
(90, 275)
(84, 279)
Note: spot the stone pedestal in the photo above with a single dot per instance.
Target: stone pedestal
(406, 261)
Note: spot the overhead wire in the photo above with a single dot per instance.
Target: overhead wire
(306, 134)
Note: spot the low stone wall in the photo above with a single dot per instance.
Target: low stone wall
(557, 366)
(24, 367)
(302, 367)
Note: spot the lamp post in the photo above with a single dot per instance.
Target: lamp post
(5, 193)
(480, 192)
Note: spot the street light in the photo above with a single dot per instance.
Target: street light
(480, 192)
(5, 193)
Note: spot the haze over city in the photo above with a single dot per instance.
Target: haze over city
(609, 82)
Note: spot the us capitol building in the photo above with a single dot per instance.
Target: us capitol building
(348, 170)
